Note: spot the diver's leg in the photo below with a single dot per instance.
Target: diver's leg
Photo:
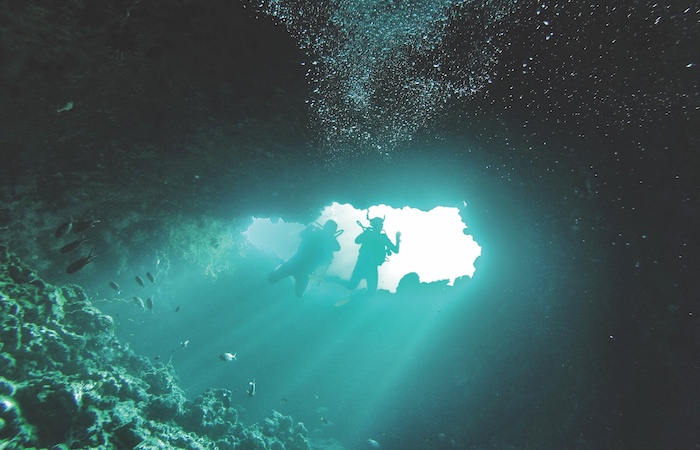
(276, 275)
(282, 271)
(372, 280)
(355, 278)
(300, 283)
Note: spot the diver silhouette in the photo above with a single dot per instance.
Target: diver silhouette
(375, 246)
(316, 248)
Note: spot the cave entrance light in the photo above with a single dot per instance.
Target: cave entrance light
(434, 243)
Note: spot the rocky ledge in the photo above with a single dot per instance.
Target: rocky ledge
(67, 382)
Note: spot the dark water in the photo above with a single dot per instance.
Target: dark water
(569, 129)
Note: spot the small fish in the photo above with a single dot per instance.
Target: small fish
(151, 277)
(139, 280)
(149, 304)
(139, 302)
(83, 224)
(184, 344)
(72, 246)
(115, 286)
(228, 356)
(177, 309)
(79, 264)
(156, 358)
(251, 388)
(64, 229)
(342, 302)
(372, 443)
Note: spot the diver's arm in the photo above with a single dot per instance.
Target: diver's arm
(391, 246)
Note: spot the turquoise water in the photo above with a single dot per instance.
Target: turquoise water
(429, 365)
(568, 129)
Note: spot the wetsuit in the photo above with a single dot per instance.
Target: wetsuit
(317, 247)
(374, 248)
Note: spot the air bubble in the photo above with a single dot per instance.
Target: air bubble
(381, 74)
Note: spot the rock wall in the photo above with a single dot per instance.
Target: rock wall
(67, 382)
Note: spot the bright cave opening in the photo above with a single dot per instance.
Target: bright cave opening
(435, 244)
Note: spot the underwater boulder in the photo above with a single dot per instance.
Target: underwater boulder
(280, 430)
(211, 414)
(164, 408)
(49, 405)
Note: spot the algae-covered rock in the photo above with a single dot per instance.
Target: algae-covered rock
(211, 414)
(67, 382)
(279, 431)
(51, 403)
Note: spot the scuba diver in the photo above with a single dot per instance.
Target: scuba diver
(375, 246)
(316, 248)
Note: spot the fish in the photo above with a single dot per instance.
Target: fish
(151, 277)
(228, 356)
(115, 286)
(251, 388)
(185, 343)
(342, 302)
(177, 309)
(139, 302)
(372, 443)
(80, 263)
(139, 280)
(64, 229)
(84, 224)
(72, 245)
(149, 304)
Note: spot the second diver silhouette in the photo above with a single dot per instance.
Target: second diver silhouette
(316, 248)
(375, 246)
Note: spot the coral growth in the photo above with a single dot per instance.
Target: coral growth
(207, 243)
(67, 382)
